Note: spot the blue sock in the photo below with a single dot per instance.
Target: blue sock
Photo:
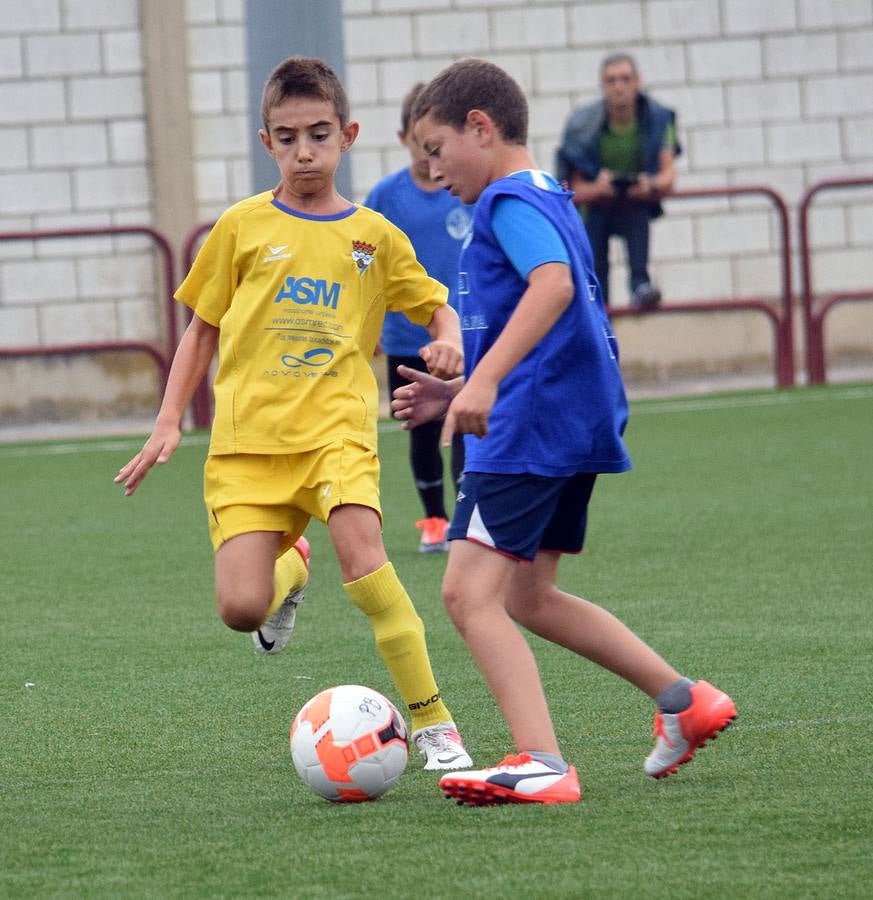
(676, 697)
(556, 762)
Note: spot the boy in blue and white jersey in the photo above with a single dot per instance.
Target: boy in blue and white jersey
(543, 410)
(436, 223)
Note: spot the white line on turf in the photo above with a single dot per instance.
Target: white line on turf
(695, 404)
(108, 446)
(25, 782)
(387, 426)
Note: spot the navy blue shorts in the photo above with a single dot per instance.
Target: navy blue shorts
(520, 515)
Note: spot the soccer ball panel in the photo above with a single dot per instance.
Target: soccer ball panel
(349, 743)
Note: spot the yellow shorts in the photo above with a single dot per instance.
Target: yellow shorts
(260, 492)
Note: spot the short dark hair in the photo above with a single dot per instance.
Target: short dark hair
(475, 84)
(408, 104)
(304, 76)
(615, 58)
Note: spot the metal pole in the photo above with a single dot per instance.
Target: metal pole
(276, 29)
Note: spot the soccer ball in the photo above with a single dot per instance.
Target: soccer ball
(349, 743)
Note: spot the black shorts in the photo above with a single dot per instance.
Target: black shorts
(521, 515)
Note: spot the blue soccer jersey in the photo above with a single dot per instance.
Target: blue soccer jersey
(562, 409)
(436, 223)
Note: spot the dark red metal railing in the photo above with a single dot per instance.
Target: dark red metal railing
(160, 356)
(779, 313)
(814, 313)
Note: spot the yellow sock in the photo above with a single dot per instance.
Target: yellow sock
(399, 634)
(291, 575)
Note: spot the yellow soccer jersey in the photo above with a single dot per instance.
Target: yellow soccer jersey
(299, 301)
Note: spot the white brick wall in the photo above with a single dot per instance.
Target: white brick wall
(98, 15)
(739, 145)
(855, 48)
(803, 142)
(753, 16)
(35, 16)
(764, 102)
(81, 145)
(218, 92)
(800, 54)
(11, 62)
(861, 225)
(18, 326)
(847, 13)
(122, 51)
(74, 155)
(25, 102)
(13, 149)
(35, 192)
(590, 21)
(62, 54)
(39, 281)
(725, 60)
(777, 93)
(669, 20)
(107, 97)
(528, 29)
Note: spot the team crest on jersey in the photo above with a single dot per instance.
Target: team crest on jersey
(362, 254)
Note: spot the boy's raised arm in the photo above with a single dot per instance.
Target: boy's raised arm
(550, 291)
(190, 364)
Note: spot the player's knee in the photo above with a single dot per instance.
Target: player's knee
(243, 611)
(455, 603)
(358, 562)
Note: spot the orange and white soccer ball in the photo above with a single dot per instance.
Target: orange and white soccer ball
(349, 743)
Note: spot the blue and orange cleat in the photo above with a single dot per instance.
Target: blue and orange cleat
(516, 779)
(433, 535)
(680, 735)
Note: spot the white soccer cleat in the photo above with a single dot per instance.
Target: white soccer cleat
(274, 634)
(441, 747)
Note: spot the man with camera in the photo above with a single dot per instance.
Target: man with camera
(617, 155)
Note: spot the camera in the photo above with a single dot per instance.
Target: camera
(621, 182)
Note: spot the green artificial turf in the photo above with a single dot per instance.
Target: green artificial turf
(144, 746)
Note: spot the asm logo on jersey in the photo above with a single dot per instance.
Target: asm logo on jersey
(314, 291)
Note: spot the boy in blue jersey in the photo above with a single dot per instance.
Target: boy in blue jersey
(435, 222)
(544, 409)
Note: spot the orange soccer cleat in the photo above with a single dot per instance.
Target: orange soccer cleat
(433, 535)
(516, 779)
(679, 735)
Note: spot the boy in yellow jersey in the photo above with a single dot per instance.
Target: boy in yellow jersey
(291, 287)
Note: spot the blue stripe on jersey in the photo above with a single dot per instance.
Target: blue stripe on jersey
(334, 217)
(527, 237)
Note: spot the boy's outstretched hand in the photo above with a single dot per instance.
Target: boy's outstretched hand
(465, 406)
(424, 399)
(157, 449)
